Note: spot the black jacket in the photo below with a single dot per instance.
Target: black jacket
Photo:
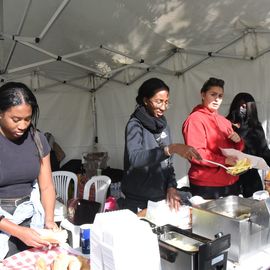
(148, 172)
(255, 144)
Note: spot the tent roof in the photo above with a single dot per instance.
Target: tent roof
(120, 40)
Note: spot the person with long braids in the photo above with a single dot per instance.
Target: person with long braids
(244, 117)
(27, 194)
(148, 168)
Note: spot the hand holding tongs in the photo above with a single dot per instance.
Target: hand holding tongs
(228, 169)
(216, 163)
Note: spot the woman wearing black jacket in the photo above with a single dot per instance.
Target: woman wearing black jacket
(148, 169)
(243, 114)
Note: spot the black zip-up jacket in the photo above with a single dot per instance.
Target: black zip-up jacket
(148, 172)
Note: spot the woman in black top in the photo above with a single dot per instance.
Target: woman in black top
(148, 170)
(243, 114)
(24, 159)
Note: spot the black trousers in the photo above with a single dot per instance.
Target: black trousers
(215, 192)
(250, 182)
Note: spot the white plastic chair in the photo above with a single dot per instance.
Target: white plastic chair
(101, 184)
(62, 180)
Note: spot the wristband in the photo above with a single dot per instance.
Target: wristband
(1, 217)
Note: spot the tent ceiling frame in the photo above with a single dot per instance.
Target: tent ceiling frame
(111, 75)
(136, 59)
(121, 53)
(17, 36)
(233, 41)
(124, 67)
(262, 53)
(55, 57)
(44, 62)
(69, 82)
(148, 68)
(21, 38)
(154, 66)
(214, 54)
(25, 13)
(37, 64)
(1, 34)
(59, 82)
(54, 18)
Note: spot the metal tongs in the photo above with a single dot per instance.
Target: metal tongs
(228, 169)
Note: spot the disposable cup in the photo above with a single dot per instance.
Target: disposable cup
(85, 232)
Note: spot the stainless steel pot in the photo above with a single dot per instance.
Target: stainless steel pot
(184, 250)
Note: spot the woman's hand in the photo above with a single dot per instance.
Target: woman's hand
(31, 238)
(184, 151)
(234, 137)
(230, 160)
(51, 225)
(173, 198)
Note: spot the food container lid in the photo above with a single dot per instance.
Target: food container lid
(260, 195)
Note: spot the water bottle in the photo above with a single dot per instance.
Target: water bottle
(118, 190)
(113, 190)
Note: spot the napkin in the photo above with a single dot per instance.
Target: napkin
(256, 162)
(160, 214)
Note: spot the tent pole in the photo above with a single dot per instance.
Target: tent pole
(120, 53)
(216, 51)
(38, 49)
(82, 66)
(1, 36)
(155, 66)
(94, 110)
(14, 78)
(262, 53)
(53, 18)
(60, 58)
(13, 70)
(18, 33)
(80, 52)
(214, 54)
(21, 38)
(59, 82)
(134, 58)
(126, 66)
(45, 62)
(262, 31)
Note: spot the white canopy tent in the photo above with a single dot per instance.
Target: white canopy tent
(85, 60)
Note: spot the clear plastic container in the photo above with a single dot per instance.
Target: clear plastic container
(260, 195)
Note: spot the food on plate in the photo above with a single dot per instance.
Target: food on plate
(40, 264)
(244, 216)
(267, 177)
(64, 261)
(85, 263)
(231, 214)
(142, 213)
(182, 245)
(240, 166)
(70, 262)
(54, 236)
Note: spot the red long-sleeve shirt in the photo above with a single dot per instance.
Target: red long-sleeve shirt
(207, 132)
